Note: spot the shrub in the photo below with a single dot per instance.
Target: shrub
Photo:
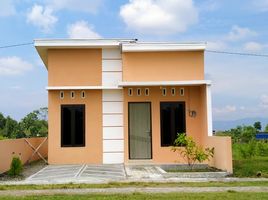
(262, 148)
(15, 167)
(190, 151)
(3, 137)
(248, 150)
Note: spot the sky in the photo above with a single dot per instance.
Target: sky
(240, 83)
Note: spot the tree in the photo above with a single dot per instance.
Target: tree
(190, 151)
(266, 128)
(257, 126)
(2, 121)
(11, 128)
(32, 126)
(248, 133)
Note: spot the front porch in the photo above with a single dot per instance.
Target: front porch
(154, 113)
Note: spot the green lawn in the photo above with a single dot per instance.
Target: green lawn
(185, 196)
(135, 184)
(250, 167)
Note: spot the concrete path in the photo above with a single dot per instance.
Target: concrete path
(131, 190)
(93, 174)
(78, 173)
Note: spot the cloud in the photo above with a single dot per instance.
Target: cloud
(42, 17)
(216, 45)
(253, 46)
(208, 5)
(81, 29)
(225, 109)
(261, 5)
(7, 8)
(159, 17)
(240, 33)
(15, 87)
(75, 5)
(13, 66)
(264, 101)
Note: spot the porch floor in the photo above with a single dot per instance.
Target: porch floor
(56, 174)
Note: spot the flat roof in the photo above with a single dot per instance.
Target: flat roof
(126, 45)
(133, 84)
(164, 83)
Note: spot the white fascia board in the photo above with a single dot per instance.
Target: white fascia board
(165, 83)
(78, 43)
(143, 47)
(42, 45)
(83, 88)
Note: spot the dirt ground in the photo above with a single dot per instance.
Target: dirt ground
(28, 170)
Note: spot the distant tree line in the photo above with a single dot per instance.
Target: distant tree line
(33, 124)
(243, 134)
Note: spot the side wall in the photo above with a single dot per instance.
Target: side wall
(18, 147)
(222, 158)
(223, 152)
(163, 66)
(192, 102)
(92, 152)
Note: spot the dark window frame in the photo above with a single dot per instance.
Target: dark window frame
(72, 133)
(161, 121)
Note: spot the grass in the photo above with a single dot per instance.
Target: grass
(135, 184)
(251, 167)
(209, 169)
(135, 196)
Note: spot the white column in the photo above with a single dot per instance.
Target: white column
(112, 107)
(209, 110)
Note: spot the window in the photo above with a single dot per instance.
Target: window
(164, 92)
(172, 116)
(130, 92)
(182, 91)
(138, 92)
(73, 125)
(72, 94)
(173, 91)
(61, 95)
(83, 94)
(147, 91)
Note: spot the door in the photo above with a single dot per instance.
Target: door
(140, 135)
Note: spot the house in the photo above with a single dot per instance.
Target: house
(124, 101)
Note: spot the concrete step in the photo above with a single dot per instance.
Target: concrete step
(195, 174)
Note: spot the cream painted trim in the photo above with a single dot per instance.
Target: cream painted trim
(209, 110)
(142, 47)
(111, 78)
(165, 83)
(83, 88)
(113, 158)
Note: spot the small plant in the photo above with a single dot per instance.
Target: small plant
(15, 167)
(192, 153)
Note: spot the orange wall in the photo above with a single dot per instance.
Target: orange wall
(222, 158)
(18, 147)
(163, 66)
(92, 152)
(192, 102)
(74, 67)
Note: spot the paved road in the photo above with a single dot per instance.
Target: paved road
(131, 190)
